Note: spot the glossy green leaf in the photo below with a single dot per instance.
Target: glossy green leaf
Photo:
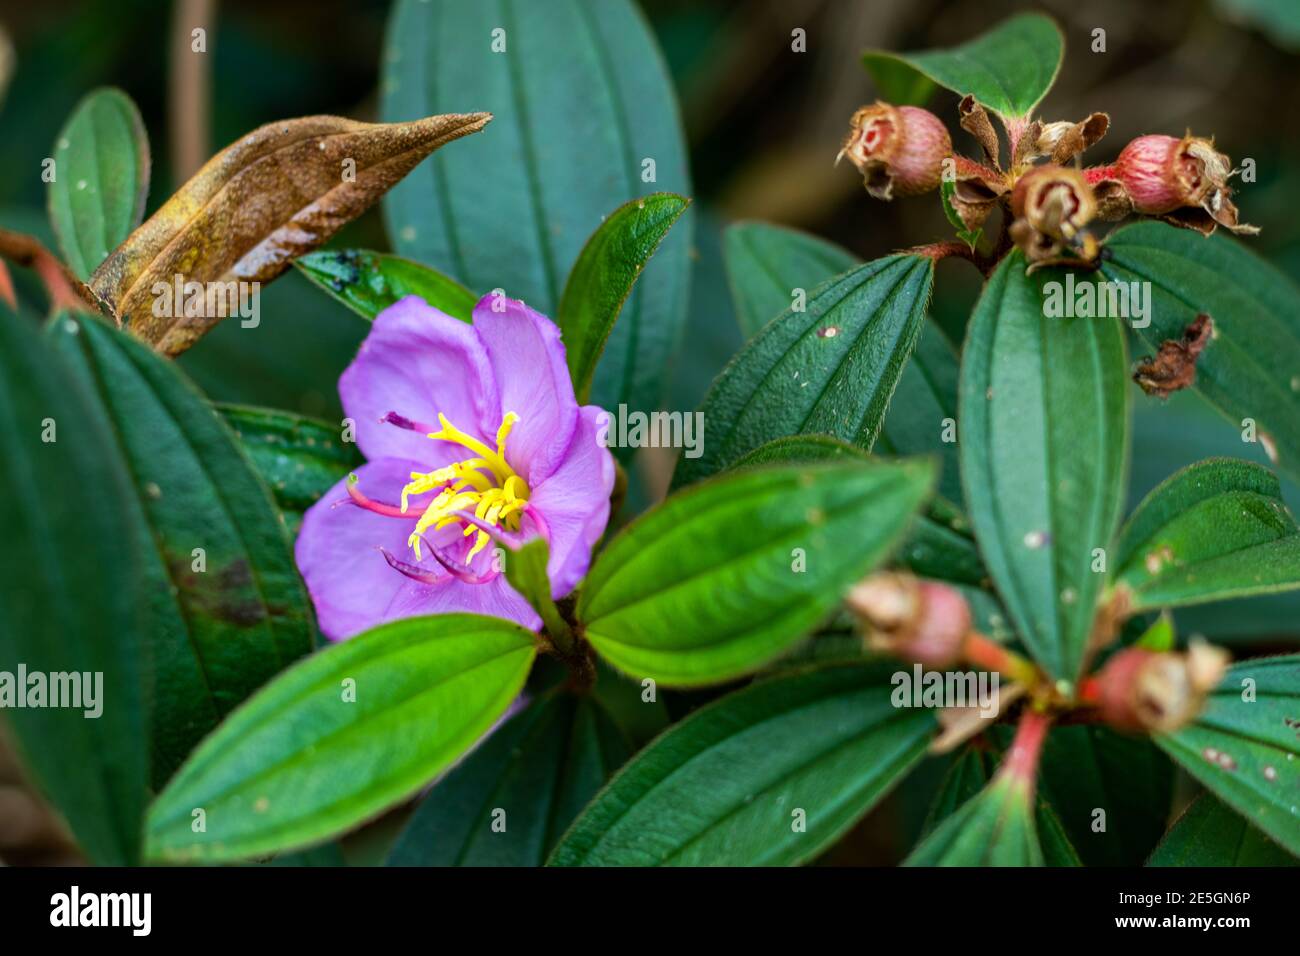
(723, 577)
(996, 827)
(1008, 69)
(934, 548)
(340, 736)
(229, 607)
(101, 178)
(829, 369)
(605, 275)
(585, 120)
(71, 598)
(1210, 834)
(1245, 743)
(898, 83)
(766, 264)
(1044, 452)
(369, 282)
(1249, 368)
(1216, 529)
(769, 775)
(533, 775)
(526, 572)
(1089, 768)
(299, 458)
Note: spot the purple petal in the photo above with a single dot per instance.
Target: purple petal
(418, 361)
(528, 365)
(574, 500)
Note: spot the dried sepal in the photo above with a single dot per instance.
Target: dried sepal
(977, 189)
(975, 120)
(1062, 141)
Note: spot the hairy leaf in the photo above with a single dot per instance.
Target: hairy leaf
(369, 282)
(1044, 453)
(340, 736)
(723, 577)
(101, 167)
(769, 775)
(229, 610)
(1217, 529)
(1210, 834)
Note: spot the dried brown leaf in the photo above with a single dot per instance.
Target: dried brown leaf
(1174, 366)
(273, 195)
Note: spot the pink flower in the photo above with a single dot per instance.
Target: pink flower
(472, 432)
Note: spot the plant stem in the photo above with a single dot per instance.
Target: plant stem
(987, 654)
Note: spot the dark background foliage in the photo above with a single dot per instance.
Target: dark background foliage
(763, 124)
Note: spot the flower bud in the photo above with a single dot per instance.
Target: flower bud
(921, 621)
(898, 149)
(1184, 179)
(1154, 692)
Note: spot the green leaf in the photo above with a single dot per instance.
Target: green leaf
(369, 282)
(229, 608)
(968, 775)
(969, 236)
(101, 167)
(724, 787)
(996, 827)
(1044, 453)
(766, 263)
(1249, 368)
(1210, 834)
(708, 585)
(299, 458)
(896, 82)
(585, 120)
(526, 572)
(71, 597)
(605, 275)
(540, 770)
(829, 369)
(341, 736)
(1245, 750)
(934, 547)
(1217, 529)
(1008, 69)
(1086, 768)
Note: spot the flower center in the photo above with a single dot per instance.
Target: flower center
(483, 484)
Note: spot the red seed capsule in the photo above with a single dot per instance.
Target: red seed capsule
(898, 149)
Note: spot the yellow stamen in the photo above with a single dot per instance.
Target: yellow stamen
(485, 485)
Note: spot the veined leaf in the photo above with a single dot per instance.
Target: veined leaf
(1216, 529)
(723, 577)
(71, 600)
(526, 572)
(587, 121)
(1248, 369)
(1044, 454)
(299, 458)
(967, 776)
(1244, 745)
(934, 548)
(229, 610)
(727, 785)
(539, 770)
(1008, 69)
(996, 827)
(766, 264)
(243, 217)
(829, 369)
(101, 164)
(369, 282)
(605, 275)
(1210, 834)
(340, 736)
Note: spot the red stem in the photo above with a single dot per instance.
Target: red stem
(1022, 759)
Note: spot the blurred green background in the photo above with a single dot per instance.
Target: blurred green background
(763, 125)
